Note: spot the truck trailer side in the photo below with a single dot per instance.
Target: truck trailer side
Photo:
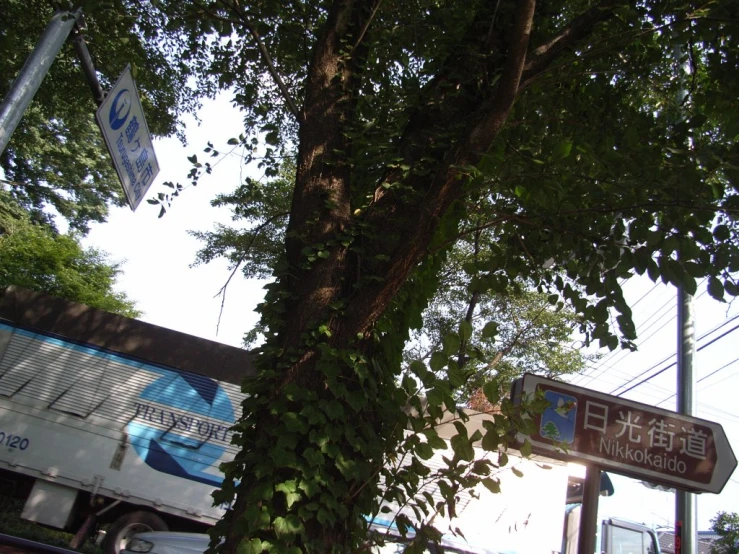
(105, 419)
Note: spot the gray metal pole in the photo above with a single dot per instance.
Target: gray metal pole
(88, 67)
(33, 72)
(589, 512)
(685, 502)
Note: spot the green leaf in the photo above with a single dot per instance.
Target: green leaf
(490, 330)
(434, 440)
(451, 343)
(424, 450)
(492, 392)
(288, 527)
(249, 546)
(490, 441)
(289, 489)
(526, 448)
(438, 361)
(233, 141)
(462, 448)
(715, 288)
(465, 330)
(562, 149)
(493, 485)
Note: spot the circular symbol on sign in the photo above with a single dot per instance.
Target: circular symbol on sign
(120, 109)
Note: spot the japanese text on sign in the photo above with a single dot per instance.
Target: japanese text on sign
(124, 128)
(627, 435)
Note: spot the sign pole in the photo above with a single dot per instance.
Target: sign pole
(685, 502)
(33, 72)
(589, 511)
(685, 516)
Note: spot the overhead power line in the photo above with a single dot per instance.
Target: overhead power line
(714, 372)
(675, 362)
(704, 336)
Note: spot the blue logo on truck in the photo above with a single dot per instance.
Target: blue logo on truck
(181, 426)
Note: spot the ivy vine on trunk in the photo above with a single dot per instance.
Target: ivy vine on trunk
(581, 142)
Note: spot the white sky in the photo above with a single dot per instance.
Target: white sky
(158, 252)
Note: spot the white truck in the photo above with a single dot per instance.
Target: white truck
(108, 420)
(105, 419)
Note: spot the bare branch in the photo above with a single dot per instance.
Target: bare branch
(222, 291)
(366, 25)
(246, 22)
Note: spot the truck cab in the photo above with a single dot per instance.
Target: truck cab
(616, 536)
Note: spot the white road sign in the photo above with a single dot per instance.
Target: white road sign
(121, 119)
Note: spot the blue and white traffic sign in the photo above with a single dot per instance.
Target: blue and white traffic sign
(121, 119)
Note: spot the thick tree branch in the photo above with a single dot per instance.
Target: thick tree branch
(579, 28)
(444, 187)
(498, 109)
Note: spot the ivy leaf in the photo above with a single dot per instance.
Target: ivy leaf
(289, 489)
(249, 546)
(288, 527)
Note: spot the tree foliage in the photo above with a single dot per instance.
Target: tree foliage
(513, 332)
(726, 526)
(567, 133)
(35, 256)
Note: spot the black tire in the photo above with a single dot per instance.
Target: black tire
(127, 525)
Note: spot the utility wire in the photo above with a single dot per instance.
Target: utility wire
(675, 362)
(705, 335)
(702, 379)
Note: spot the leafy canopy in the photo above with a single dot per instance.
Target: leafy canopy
(583, 142)
(34, 256)
(567, 134)
(726, 525)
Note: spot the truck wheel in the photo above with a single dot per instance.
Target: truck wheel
(126, 526)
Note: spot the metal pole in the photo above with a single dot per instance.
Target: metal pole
(685, 502)
(589, 512)
(88, 67)
(33, 72)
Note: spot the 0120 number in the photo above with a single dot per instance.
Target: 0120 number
(13, 441)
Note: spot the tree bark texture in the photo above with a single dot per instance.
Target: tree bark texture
(459, 103)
